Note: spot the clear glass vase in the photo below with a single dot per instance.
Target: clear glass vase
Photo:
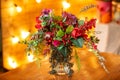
(62, 69)
(60, 64)
(63, 72)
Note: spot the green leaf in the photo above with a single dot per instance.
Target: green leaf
(63, 50)
(46, 18)
(58, 38)
(60, 47)
(81, 22)
(78, 42)
(64, 19)
(57, 18)
(52, 25)
(69, 29)
(35, 43)
(60, 33)
(58, 27)
(77, 59)
(44, 23)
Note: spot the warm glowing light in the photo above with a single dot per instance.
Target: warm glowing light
(18, 8)
(90, 50)
(11, 11)
(30, 57)
(12, 63)
(65, 4)
(15, 40)
(24, 34)
(38, 1)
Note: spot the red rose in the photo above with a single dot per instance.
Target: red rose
(38, 26)
(85, 36)
(38, 20)
(77, 32)
(60, 23)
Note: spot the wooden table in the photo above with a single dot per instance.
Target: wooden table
(90, 69)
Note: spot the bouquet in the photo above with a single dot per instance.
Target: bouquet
(59, 34)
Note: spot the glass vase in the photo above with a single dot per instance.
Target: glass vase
(60, 64)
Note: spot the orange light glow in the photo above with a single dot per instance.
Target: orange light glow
(11, 11)
(30, 57)
(15, 40)
(18, 8)
(12, 63)
(24, 34)
(66, 5)
(38, 1)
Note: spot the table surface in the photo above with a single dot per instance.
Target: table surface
(90, 69)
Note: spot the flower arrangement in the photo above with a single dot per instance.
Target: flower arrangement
(60, 33)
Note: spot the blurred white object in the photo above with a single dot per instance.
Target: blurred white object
(109, 37)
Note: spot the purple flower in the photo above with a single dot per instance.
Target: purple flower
(70, 19)
(46, 11)
(46, 16)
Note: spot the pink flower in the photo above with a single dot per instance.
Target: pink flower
(56, 43)
(46, 11)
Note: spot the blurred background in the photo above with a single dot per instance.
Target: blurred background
(18, 20)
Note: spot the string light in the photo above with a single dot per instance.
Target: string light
(18, 8)
(15, 40)
(24, 34)
(30, 57)
(12, 63)
(38, 1)
(65, 4)
(11, 10)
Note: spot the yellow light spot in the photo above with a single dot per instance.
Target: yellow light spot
(90, 50)
(11, 11)
(38, 1)
(18, 8)
(24, 34)
(12, 63)
(30, 57)
(65, 4)
(15, 40)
